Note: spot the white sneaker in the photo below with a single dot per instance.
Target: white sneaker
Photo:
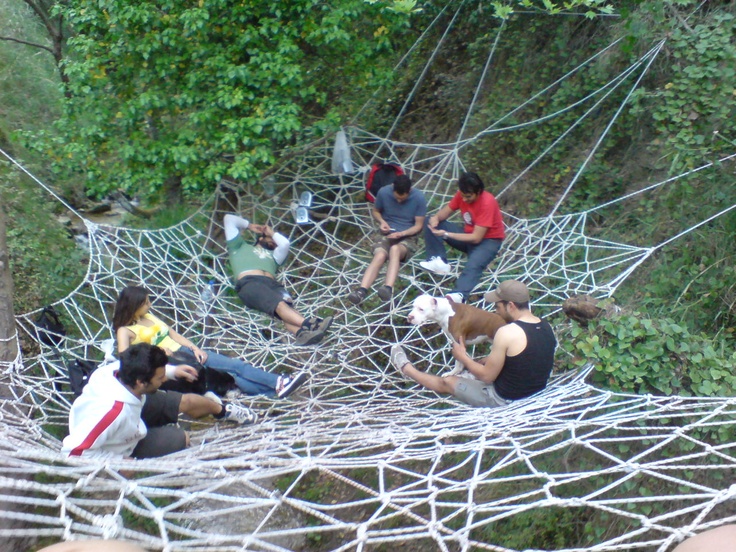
(456, 297)
(241, 414)
(436, 265)
(288, 384)
(399, 358)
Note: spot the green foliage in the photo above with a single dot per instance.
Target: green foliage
(634, 353)
(168, 95)
(504, 9)
(29, 91)
(550, 528)
(695, 101)
(46, 264)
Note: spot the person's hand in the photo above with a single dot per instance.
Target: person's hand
(268, 231)
(200, 355)
(168, 352)
(459, 352)
(257, 228)
(385, 227)
(186, 373)
(437, 231)
(433, 221)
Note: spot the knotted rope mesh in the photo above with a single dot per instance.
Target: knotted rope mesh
(360, 457)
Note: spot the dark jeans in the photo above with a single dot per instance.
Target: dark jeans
(250, 380)
(479, 255)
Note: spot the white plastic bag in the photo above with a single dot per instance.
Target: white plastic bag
(341, 161)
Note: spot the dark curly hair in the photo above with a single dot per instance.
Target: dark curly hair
(139, 363)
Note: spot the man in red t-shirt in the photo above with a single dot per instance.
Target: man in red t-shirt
(480, 236)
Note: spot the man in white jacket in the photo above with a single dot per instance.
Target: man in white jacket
(254, 267)
(122, 413)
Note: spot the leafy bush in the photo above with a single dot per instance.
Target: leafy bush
(45, 262)
(633, 353)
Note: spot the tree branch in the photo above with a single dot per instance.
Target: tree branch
(41, 13)
(19, 41)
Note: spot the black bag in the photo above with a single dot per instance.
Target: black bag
(381, 174)
(49, 329)
(79, 371)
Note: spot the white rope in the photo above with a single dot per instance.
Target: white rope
(360, 457)
(427, 65)
(594, 149)
(360, 453)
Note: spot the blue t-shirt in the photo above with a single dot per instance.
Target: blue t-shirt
(400, 216)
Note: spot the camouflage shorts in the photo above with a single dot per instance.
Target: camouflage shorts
(411, 244)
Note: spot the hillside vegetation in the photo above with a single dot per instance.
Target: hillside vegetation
(163, 103)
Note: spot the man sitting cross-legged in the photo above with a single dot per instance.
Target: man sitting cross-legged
(122, 413)
(399, 211)
(254, 267)
(519, 364)
(480, 236)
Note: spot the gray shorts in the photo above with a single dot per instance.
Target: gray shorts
(260, 293)
(477, 393)
(382, 242)
(160, 414)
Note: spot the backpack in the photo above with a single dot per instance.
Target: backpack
(382, 174)
(49, 329)
(79, 371)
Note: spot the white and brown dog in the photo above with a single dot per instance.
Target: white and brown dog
(464, 324)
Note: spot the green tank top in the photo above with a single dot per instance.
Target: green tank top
(244, 256)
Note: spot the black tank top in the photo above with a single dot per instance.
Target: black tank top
(526, 373)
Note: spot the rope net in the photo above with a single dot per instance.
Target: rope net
(361, 459)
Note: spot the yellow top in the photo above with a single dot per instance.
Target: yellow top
(156, 334)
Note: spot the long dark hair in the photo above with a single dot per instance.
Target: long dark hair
(129, 301)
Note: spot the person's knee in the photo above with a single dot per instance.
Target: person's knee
(196, 405)
(722, 539)
(448, 385)
(380, 255)
(185, 405)
(284, 310)
(396, 253)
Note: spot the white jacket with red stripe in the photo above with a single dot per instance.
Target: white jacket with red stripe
(105, 420)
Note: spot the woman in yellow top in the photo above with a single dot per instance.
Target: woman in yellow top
(133, 323)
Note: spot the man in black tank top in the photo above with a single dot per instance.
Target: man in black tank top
(520, 362)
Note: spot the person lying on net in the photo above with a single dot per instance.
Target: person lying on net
(520, 362)
(134, 323)
(254, 267)
(122, 413)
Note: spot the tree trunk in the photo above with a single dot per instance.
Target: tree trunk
(8, 338)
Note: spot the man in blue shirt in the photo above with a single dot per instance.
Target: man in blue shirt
(400, 211)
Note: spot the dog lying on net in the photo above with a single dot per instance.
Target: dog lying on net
(464, 324)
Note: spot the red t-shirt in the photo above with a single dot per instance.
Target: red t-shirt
(484, 211)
